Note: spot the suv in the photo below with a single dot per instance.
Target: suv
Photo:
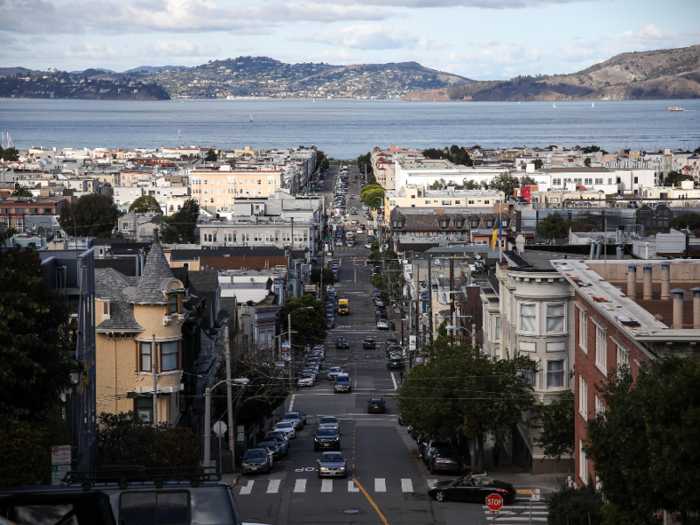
(342, 383)
(395, 362)
(326, 438)
(369, 343)
(376, 405)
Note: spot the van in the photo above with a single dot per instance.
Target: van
(343, 307)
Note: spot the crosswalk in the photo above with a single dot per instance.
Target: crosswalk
(325, 485)
(519, 513)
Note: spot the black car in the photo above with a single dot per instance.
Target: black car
(369, 343)
(256, 460)
(376, 405)
(445, 460)
(326, 438)
(394, 362)
(472, 489)
(273, 446)
(341, 343)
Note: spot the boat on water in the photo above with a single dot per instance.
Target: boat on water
(675, 108)
(251, 119)
(592, 104)
(554, 105)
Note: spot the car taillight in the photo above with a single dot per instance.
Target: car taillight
(502, 490)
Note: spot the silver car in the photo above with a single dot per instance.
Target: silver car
(329, 422)
(333, 372)
(332, 464)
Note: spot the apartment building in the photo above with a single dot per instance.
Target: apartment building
(382, 161)
(221, 188)
(413, 196)
(260, 231)
(609, 181)
(15, 210)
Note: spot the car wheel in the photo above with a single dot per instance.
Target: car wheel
(441, 496)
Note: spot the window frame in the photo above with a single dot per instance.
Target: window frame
(142, 354)
(583, 330)
(583, 397)
(601, 350)
(520, 317)
(169, 354)
(622, 351)
(583, 463)
(563, 317)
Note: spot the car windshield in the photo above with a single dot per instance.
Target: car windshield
(332, 457)
(335, 369)
(327, 420)
(283, 425)
(375, 400)
(254, 454)
(326, 432)
(270, 444)
(291, 415)
(341, 378)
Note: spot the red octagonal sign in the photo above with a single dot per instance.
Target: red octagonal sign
(494, 501)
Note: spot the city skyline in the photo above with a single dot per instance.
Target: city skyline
(480, 39)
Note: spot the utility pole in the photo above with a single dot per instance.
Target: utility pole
(154, 367)
(430, 299)
(291, 349)
(452, 297)
(229, 400)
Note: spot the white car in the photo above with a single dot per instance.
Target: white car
(288, 428)
(368, 246)
(333, 372)
(359, 231)
(305, 381)
(382, 324)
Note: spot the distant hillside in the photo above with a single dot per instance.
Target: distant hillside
(152, 69)
(12, 71)
(663, 74)
(64, 85)
(263, 76)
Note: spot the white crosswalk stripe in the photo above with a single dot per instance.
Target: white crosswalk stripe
(379, 485)
(300, 485)
(352, 487)
(248, 488)
(274, 486)
(406, 485)
(327, 485)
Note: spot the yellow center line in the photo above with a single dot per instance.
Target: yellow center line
(371, 502)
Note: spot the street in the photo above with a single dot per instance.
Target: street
(387, 482)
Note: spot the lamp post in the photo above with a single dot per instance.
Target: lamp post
(242, 381)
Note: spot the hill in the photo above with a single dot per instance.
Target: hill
(267, 77)
(662, 74)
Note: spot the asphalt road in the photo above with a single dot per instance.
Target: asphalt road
(386, 484)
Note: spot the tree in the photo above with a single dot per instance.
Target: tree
(590, 149)
(527, 181)
(552, 227)
(584, 223)
(506, 183)
(461, 392)
(125, 439)
(470, 184)
(644, 445)
(9, 154)
(34, 362)
(22, 191)
(557, 429)
(687, 220)
(91, 215)
(587, 162)
(145, 204)
(322, 163)
(576, 506)
(374, 198)
(169, 235)
(184, 221)
(328, 277)
(309, 320)
(538, 163)
(455, 154)
(211, 156)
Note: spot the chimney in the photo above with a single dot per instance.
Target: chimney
(647, 281)
(696, 307)
(631, 281)
(677, 308)
(665, 280)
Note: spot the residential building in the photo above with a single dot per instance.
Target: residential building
(220, 189)
(14, 210)
(225, 258)
(138, 226)
(421, 197)
(445, 221)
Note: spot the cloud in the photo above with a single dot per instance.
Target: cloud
(90, 51)
(650, 32)
(338, 56)
(488, 42)
(179, 48)
(484, 4)
(189, 16)
(498, 55)
(374, 36)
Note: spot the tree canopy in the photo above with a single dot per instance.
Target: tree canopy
(145, 204)
(181, 225)
(454, 153)
(328, 276)
(687, 220)
(322, 163)
(373, 195)
(557, 428)
(9, 154)
(645, 445)
(211, 156)
(506, 183)
(22, 191)
(34, 363)
(364, 164)
(552, 227)
(308, 320)
(93, 215)
(461, 392)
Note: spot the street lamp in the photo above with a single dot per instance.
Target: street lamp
(241, 381)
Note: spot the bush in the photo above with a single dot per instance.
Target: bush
(573, 506)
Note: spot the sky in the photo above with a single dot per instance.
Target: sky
(479, 39)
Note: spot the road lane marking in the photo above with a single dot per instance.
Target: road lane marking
(327, 485)
(371, 502)
(352, 487)
(406, 485)
(274, 486)
(248, 488)
(300, 485)
(393, 379)
(379, 485)
(291, 403)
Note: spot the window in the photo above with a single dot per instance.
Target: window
(599, 406)
(583, 397)
(474, 224)
(145, 357)
(457, 203)
(443, 224)
(582, 330)
(172, 301)
(486, 201)
(168, 356)
(528, 317)
(555, 374)
(458, 224)
(531, 377)
(447, 203)
(623, 356)
(601, 350)
(143, 406)
(583, 463)
(164, 508)
(497, 328)
(428, 201)
(470, 202)
(609, 181)
(555, 318)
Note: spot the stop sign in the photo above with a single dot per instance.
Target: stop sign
(494, 501)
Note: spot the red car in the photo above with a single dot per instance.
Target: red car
(369, 343)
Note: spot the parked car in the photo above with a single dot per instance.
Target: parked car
(471, 488)
(369, 344)
(327, 438)
(445, 459)
(333, 372)
(288, 428)
(281, 439)
(295, 419)
(376, 405)
(272, 446)
(256, 460)
(382, 324)
(332, 464)
(306, 380)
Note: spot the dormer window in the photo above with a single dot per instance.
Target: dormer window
(105, 309)
(398, 224)
(489, 224)
(172, 305)
(444, 223)
(458, 224)
(475, 224)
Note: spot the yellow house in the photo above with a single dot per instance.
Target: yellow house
(131, 314)
(221, 188)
